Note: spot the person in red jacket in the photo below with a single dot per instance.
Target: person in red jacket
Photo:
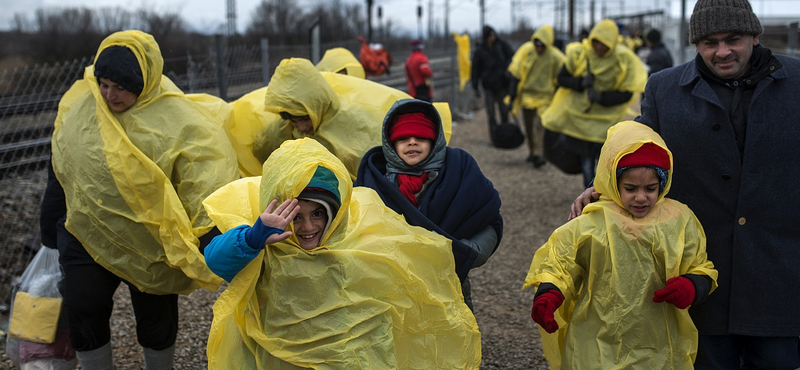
(418, 73)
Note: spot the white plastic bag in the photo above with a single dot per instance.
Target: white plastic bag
(36, 306)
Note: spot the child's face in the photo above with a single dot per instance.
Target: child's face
(638, 190)
(309, 223)
(412, 150)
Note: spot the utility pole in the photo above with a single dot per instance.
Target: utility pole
(230, 11)
(419, 22)
(369, 20)
(447, 19)
(684, 41)
(430, 19)
(513, 16)
(483, 11)
(571, 30)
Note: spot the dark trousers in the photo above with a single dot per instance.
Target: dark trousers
(494, 98)
(88, 292)
(747, 352)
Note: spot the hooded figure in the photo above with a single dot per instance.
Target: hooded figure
(536, 72)
(134, 181)
(345, 114)
(608, 264)
(376, 293)
(455, 199)
(572, 111)
(342, 61)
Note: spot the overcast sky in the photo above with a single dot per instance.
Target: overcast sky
(209, 15)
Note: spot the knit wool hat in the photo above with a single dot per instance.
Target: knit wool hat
(119, 64)
(412, 124)
(716, 16)
(648, 154)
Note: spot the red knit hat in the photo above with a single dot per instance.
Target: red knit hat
(648, 154)
(412, 124)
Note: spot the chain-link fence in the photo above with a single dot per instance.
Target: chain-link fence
(29, 100)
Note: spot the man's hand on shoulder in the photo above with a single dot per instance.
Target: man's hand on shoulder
(589, 195)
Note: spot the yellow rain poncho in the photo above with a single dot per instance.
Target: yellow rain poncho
(571, 112)
(464, 62)
(135, 181)
(537, 74)
(608, 264)
(347, 114)
(376, 294)
(338, 59)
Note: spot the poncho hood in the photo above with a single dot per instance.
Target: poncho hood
(338, 59)
(625, 138)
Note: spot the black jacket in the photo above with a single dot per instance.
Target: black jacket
(489, 65)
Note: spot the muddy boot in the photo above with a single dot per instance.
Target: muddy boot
(96, 359)
(159, 359)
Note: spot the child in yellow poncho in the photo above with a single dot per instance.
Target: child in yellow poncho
(613, 284)
(350, 285)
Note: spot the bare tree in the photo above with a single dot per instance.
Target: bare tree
(65, 33)
(277, 20)
(110, 20)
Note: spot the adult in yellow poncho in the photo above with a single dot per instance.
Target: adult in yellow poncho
(135, 158)
(534, 69)
(342, 61)
(626, 269)
(597, 84)
(344, 114)
(370, 292)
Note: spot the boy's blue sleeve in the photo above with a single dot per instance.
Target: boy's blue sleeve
(229, 253)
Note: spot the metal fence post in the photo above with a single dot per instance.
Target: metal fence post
(265, 74)
(221, 78)
(791, 43)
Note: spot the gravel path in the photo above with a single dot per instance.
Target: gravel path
(535, 202)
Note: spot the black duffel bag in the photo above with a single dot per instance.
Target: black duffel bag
(558, 152)
(507, 135)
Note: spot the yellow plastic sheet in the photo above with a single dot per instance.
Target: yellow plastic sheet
(135, 180)
(347, 114)
(537, 74)
(571, 112)
(377, 293)
(608, 264)
(338, 59)
(34, 318)
(464, 63)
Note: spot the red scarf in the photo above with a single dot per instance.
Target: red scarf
(410, 185)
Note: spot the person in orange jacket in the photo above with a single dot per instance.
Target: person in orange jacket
(418, 73)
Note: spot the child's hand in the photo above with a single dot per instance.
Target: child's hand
(543, 308)
(679, 291)
(279, 218)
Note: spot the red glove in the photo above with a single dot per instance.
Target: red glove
(679, 291)
(543, 307)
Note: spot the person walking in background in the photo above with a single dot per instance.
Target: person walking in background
(736, 149)
(659, 57)
(342, 61)
(596, 86)
(349, 285)
(489, 64)
(615, 283)
(534, 70)
(439, 188)
(419, 73)
(132, 160)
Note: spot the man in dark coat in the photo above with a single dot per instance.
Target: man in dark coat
(735, 157)
(489, 64)
(659, 57)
